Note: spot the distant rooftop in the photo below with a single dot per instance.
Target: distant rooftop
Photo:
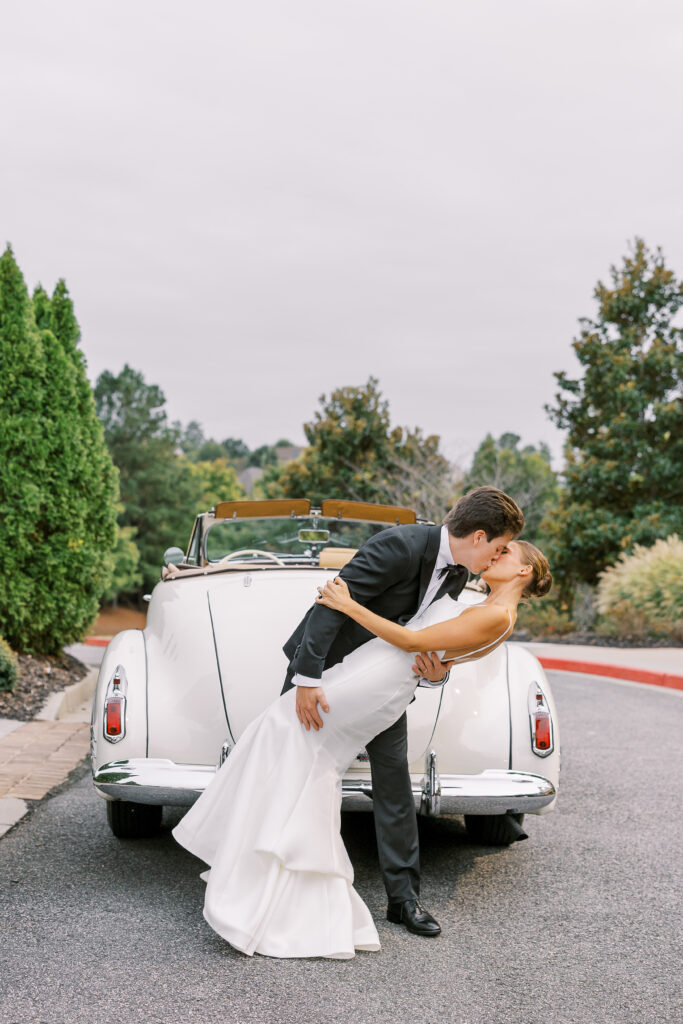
(287, 453)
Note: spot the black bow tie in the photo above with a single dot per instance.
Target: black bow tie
(451, 571)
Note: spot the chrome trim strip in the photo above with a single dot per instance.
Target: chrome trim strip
(430, 796)
(507, 690)
(144, 647)
(156, 780)
(153, 780)
(218, 667)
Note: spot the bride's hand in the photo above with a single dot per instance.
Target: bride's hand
(335, 594)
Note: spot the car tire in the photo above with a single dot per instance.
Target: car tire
(133, 821)
(495, 829)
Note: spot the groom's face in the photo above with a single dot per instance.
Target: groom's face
(486, 552)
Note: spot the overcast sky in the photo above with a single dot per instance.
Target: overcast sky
(254, 203)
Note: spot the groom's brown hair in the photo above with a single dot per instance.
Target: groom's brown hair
(488, 509)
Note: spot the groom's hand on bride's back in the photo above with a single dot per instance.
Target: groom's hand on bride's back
(307, 700)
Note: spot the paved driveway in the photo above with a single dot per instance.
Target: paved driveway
(575, 925)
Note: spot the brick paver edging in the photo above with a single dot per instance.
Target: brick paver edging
(38, 756)
(634, 675)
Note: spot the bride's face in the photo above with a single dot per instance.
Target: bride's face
(509, 565)
(482, 553)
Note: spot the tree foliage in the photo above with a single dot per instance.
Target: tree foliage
(624, 446)
(159, 491)
(125, 564)
(355, 453)
(217, 482)
(523, 473)
(57, 482)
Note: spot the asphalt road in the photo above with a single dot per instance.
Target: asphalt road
(577, 924)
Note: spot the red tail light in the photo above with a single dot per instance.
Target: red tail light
(114, 710)
(542, 732)
(113, 717)
(540, 722)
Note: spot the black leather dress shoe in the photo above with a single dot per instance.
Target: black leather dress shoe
(416, 920)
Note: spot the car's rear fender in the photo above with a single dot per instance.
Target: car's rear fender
(187, 715)
(473, 729)
(127, 652)
(524, 670)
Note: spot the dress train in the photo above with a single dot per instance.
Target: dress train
(280, 881)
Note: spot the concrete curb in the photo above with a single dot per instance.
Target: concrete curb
(64, 701)
(595, 668)
(12, 810)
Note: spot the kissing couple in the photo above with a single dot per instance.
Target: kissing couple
(280, 881)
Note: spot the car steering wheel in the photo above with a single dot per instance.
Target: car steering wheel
(253, 551)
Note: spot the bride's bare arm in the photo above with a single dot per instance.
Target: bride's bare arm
(471, 630)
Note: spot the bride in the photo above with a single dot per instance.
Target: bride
(280, 881)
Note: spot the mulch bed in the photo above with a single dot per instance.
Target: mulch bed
(595, 640)
(39, 676)
(112, 620)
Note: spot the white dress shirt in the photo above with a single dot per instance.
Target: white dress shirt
(443, 559)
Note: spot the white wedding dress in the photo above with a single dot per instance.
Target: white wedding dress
(281, 882)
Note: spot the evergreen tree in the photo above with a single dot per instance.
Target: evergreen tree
(69, 507)
(82, 480)
(23, 453)
(624, 448)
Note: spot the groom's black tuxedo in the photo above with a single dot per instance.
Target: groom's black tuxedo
(389, 574)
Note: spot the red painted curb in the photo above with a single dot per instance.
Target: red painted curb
(593, 668)
(635, 675)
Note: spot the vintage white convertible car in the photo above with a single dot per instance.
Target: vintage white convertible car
(173, 699)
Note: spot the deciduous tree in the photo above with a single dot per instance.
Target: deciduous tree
(159, 492)
(354, 452)
(218, 482)
(523, 473)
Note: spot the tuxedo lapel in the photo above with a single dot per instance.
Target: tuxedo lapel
(429, 560)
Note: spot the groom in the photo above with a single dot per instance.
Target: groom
(396, 573)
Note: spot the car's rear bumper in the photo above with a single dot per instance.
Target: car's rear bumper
(160, 781)
(153, 780)
(491, 792)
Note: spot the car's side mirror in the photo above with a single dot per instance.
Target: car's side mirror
(172, 556)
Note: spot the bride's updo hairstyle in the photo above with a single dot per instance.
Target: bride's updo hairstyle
(541, 578)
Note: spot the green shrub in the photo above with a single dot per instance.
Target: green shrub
(8, 667)
(642, 594)
(547, 617)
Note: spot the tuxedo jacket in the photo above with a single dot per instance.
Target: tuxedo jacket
(389, 574)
